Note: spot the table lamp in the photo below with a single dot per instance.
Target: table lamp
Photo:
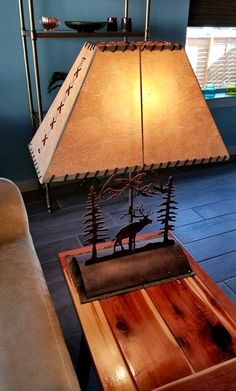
(127, 107)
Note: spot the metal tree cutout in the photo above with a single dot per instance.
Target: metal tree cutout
(167, 211)
(151, 260)
(93, 223)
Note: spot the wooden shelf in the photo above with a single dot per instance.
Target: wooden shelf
(74, 34)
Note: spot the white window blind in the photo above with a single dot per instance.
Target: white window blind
(212, 54)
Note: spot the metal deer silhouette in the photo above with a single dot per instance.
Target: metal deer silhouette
(130, 230)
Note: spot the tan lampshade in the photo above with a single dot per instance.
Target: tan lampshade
(126, 105)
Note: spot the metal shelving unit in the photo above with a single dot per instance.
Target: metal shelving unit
(71, 34)
(33, 34)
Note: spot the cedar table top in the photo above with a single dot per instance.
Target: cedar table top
(160, 338)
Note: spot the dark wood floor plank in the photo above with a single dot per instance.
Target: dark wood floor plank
(63, 229)
(68, 320)
(48, 251)
(61, 216)
(192, 200)
(213, 246)
(232, 284)
(204, 183)
(52, 271)
(221, 268)
(207, 228)
(215, 209)
(228, 291)
(60, 294)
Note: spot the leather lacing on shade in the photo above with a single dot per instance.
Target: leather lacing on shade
(144, 168)
(148, 45)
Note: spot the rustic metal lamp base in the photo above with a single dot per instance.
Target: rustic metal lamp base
(152, 263)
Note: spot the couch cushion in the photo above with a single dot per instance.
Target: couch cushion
(33, 354)
(14, 221)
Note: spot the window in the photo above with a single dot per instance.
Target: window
(212, 54)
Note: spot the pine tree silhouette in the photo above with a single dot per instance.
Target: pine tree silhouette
(93, 223)
(167, 212)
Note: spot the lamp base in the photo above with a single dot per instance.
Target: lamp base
(149, 264)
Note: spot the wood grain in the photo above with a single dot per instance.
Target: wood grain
(212, 302)
(221, 377)
(112, 371)
(151, 352)
(215, 295)
(193, 324)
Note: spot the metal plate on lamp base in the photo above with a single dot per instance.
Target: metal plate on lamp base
(146, 266)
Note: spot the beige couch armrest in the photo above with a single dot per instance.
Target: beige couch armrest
(33, 353)
(13, 218)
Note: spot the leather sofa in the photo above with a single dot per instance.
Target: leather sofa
(33, 354)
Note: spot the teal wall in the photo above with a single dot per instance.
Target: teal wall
(15, 131)
(168, 22)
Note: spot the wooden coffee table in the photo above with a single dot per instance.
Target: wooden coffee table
(177, 336)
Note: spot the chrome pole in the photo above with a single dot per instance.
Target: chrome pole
(35, 61)
(126, 13)
(126, 9)
(147, 21)
(26, 63)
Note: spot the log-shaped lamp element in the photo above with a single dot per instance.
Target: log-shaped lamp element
(126, 106)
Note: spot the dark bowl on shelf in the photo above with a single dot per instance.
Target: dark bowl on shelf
(85, 26)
